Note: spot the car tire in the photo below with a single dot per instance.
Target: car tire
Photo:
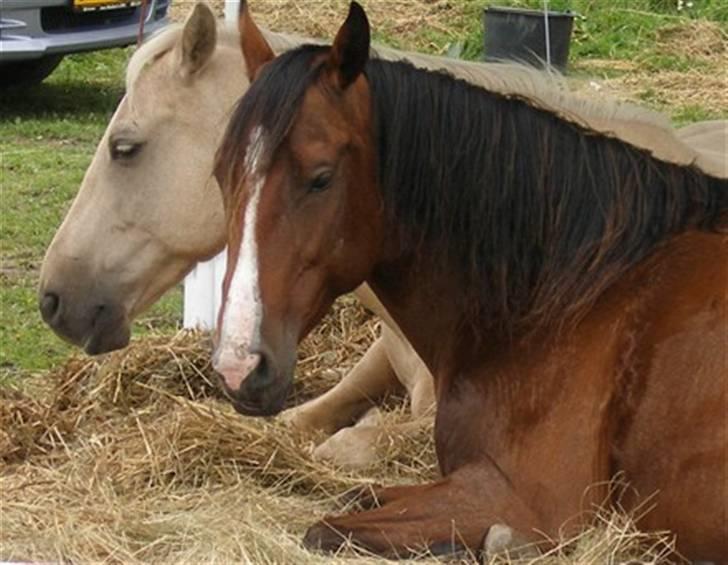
(27, 73)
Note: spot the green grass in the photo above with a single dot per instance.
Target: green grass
(692, 113)
(626, 29)
(614, 29)
(48, 135)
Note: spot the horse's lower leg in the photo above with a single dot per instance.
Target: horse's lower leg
(454, 512)
(368, 382)
(361, 445)
(368, 497)
(422, 395)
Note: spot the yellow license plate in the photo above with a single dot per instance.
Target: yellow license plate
(91, 4)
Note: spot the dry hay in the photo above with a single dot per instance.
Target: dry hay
(85, 390)
(699, 40)
(664, 90)
(671, 89)
(135, 458)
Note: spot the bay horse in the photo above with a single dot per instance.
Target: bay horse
(562, 277)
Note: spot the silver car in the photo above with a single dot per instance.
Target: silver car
(36, 34)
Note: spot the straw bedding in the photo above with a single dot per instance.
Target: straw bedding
(136, 458)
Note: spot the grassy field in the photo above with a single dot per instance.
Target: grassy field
(648, 50)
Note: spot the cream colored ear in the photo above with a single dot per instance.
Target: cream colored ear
(199, 38)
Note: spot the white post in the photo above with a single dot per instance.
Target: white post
(231, 10)
(203, 286)
(203, 293)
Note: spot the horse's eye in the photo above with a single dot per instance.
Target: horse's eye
(321, 182)
(123, 149)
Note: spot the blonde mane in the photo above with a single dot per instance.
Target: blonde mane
(165, 40)
(633, 124)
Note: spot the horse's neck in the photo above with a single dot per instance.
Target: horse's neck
(230, 72)
(426, 308)
(222, 85)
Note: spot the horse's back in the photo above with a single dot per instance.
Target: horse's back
(673, 436)
(710, 134)
(710, 141)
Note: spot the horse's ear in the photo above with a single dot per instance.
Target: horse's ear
(350, 51)
(256, 50)
(199, 38)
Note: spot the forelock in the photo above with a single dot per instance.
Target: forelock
(256, 151)
(151, 50)
(271, 104)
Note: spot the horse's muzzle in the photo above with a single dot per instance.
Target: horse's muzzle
(98, 329)
(263, 390)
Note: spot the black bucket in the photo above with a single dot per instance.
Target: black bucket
(519, 35)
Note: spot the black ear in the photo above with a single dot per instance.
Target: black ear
(255, 48)
(350, 51)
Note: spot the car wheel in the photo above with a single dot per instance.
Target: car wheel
(26, 73)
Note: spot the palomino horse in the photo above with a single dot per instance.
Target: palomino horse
(559, 275)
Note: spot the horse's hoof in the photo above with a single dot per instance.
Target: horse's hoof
(323, 537)
(503, 540)
(448, 549)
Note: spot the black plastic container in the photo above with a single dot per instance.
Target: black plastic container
(519, 35)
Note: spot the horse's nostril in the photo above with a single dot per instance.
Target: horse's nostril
(263, 368)
(260, 378)
(49, 305)
(100, 315)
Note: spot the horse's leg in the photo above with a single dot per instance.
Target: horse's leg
(422, 394)
(361, 445)
(364, 444)
(492, 439)
(455, 512)
(371, 379)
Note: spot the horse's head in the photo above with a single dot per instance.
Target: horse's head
(297, 170)
(148, 208)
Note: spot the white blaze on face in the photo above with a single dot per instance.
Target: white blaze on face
(240, 326)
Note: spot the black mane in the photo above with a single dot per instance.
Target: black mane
(538, 215)
(272, 101)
